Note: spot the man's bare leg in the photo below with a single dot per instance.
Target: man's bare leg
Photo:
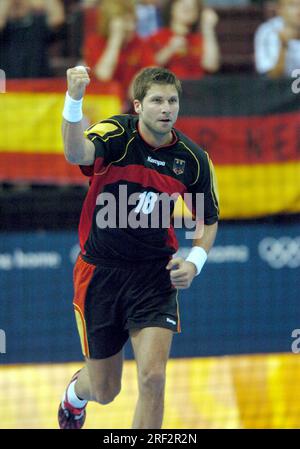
(100, 380)
(151, 347)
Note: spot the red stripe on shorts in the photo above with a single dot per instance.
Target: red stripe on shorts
(83, 273)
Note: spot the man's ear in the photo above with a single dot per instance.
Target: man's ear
(137, 106)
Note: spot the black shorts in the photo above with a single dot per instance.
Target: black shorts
(110, 300)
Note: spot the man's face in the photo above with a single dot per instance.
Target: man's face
(290, 11)
(159, 109)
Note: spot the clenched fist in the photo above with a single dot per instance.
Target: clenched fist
(78, 78)
(181, 272)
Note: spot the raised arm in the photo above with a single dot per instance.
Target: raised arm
(78, 150)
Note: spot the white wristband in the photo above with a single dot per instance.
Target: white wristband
(198, 257)
(72, 109)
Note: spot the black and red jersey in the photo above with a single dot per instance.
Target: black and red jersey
(127, 180)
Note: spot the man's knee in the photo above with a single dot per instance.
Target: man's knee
(105, 394)
(152, 381)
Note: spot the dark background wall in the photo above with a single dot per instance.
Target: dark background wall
(246, 300)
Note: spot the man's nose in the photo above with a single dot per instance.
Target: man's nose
(166, 107)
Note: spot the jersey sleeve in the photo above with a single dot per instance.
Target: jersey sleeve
(106, 136)
(206, 184)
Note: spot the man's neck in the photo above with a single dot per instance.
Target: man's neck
(153, 139)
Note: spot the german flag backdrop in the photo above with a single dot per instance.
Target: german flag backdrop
(250, 126)
(30, 133)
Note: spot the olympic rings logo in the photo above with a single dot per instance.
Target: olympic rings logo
(282, 252)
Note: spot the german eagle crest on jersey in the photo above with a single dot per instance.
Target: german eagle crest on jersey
(178, 166)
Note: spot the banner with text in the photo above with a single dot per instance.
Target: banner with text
(245, 301)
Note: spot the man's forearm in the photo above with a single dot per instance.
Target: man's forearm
(78, 150)
(205, 236)
(74, 143)
(203, 241)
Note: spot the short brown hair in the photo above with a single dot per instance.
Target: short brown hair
(153, 75)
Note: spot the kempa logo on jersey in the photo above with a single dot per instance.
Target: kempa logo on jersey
(148, 210)
(155, 161)
(280, 253)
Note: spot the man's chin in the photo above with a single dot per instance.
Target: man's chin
(165, 127)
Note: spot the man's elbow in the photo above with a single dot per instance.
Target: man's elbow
(78, 158)
(72, 158)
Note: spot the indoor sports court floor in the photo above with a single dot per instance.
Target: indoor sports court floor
(256, 391)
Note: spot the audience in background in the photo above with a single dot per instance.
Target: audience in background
(116, 52)
(148, 17)
(26, 30)
(128, 35)
(227, 3)
(89, 3)
(187, 44)
(277, 41)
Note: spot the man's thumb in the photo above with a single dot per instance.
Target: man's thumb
(173, 263)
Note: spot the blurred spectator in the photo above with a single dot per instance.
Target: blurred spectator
(89, 3)
(148, 17)
(277, 41)
(25, 32)
(116, 52)
(229, 3)
(188, 44)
